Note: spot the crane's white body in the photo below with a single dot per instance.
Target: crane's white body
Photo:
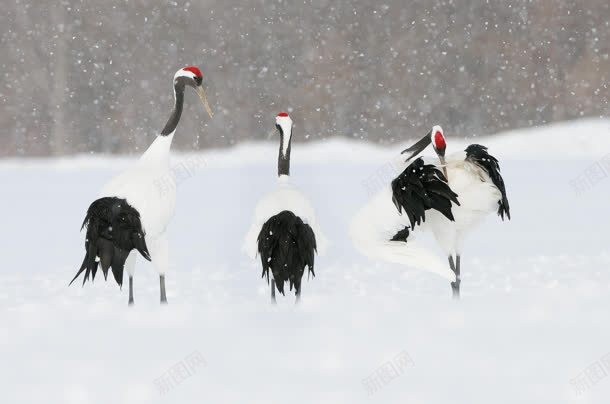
(478, 197)
(286, 196)
(150, 187)
(378, 221)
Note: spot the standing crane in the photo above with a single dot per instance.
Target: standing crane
(284, 233)
(449, 198)
(135, 208)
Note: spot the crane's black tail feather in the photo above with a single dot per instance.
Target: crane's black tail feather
(286, 246)
(114, 229)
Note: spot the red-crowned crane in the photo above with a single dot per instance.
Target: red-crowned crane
(284, 233)
(135, 208)
(449, 198)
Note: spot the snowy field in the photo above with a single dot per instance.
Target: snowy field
(532, 325)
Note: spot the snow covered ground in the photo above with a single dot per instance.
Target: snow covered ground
(532, 325)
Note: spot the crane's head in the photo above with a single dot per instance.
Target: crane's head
(191, 76)
(434, 137)
(438, 140)
(283, 122)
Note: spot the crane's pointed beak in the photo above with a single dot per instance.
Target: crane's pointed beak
(204, 100)
(418, 147)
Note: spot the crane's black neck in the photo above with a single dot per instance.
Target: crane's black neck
(283, 160)
(174, 118)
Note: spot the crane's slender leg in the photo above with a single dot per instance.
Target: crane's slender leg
(455, 286)
(159, 254)
(162, 288)
(130, 302)
(130, 265)
(273, 301)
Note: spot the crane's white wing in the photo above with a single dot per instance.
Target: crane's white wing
(477, 194)
(373, 227)
(149, 186)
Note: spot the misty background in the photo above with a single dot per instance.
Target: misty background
(96, 76)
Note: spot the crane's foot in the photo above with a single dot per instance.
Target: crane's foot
(455, 288)
(455, 267)
(162, 287)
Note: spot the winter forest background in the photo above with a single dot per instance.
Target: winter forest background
(95, 76)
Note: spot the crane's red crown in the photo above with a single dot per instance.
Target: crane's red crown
(195, 70)
(439, 141)
(283, 114)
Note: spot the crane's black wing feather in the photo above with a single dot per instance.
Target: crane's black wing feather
(421, 187)
(286, 245)
(477, 154)
(113, 230)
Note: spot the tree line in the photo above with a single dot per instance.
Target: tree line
(96, 76)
